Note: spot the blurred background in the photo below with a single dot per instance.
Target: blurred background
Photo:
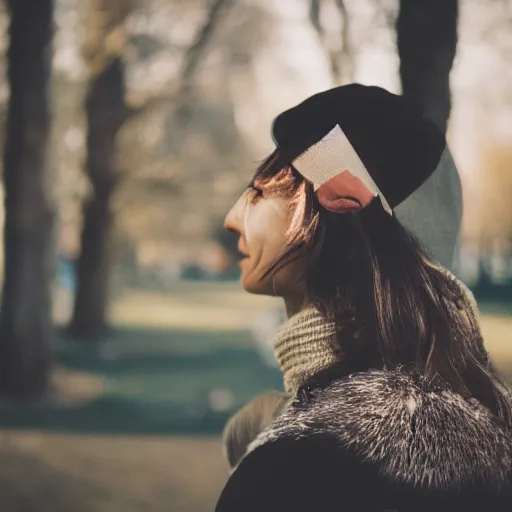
(128, 129)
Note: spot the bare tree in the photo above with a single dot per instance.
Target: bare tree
(25, 316)
(106, 111)
(427, 41)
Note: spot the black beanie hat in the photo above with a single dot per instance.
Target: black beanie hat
(400, 148)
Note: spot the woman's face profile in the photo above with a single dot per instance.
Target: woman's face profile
(262, 218)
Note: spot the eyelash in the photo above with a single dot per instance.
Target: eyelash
(256, 192)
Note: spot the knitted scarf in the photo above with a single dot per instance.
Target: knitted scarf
(304, 344)
(304, 347)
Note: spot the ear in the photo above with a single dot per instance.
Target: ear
(344, 193)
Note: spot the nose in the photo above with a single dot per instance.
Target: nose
(235, 216)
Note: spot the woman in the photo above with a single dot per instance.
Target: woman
(393, 403)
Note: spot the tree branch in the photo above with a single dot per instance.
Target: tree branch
(346, 52)
(141, 107)
(315, 9)
(197, 50)
(314, 16)
(192, 61)
(341, 60)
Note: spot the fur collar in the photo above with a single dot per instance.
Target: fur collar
(427, 438)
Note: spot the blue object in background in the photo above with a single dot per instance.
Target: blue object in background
(66, 274)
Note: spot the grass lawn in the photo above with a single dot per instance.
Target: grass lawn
(133, 425)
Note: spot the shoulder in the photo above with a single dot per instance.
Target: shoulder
(408, 432)
(359, 437)
(302, 474)
(252, 419)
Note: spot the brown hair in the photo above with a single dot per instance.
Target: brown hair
(394, 308)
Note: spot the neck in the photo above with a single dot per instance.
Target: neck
(295, 304)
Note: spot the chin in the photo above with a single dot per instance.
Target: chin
(257, 287)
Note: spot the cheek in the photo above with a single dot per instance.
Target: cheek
(265, 224)
(291, 277)
(265, 228)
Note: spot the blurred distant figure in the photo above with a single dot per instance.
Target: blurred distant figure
(66, 276)
(245, 426)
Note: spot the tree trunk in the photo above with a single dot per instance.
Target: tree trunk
(25, 316)
(106, 111)
(427, 40)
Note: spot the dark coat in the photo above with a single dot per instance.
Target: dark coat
(379, 441)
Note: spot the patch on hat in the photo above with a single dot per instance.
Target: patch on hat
(343, 191)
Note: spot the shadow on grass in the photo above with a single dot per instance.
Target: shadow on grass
(132, 350)
(110, 416)
(156, 382)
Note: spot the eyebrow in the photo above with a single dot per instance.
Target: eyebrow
(252, 183)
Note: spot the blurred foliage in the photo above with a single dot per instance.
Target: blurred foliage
(496, 208)
(193, 137)
(180, 149)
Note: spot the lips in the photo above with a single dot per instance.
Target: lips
(242, 257)
(242, 250)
